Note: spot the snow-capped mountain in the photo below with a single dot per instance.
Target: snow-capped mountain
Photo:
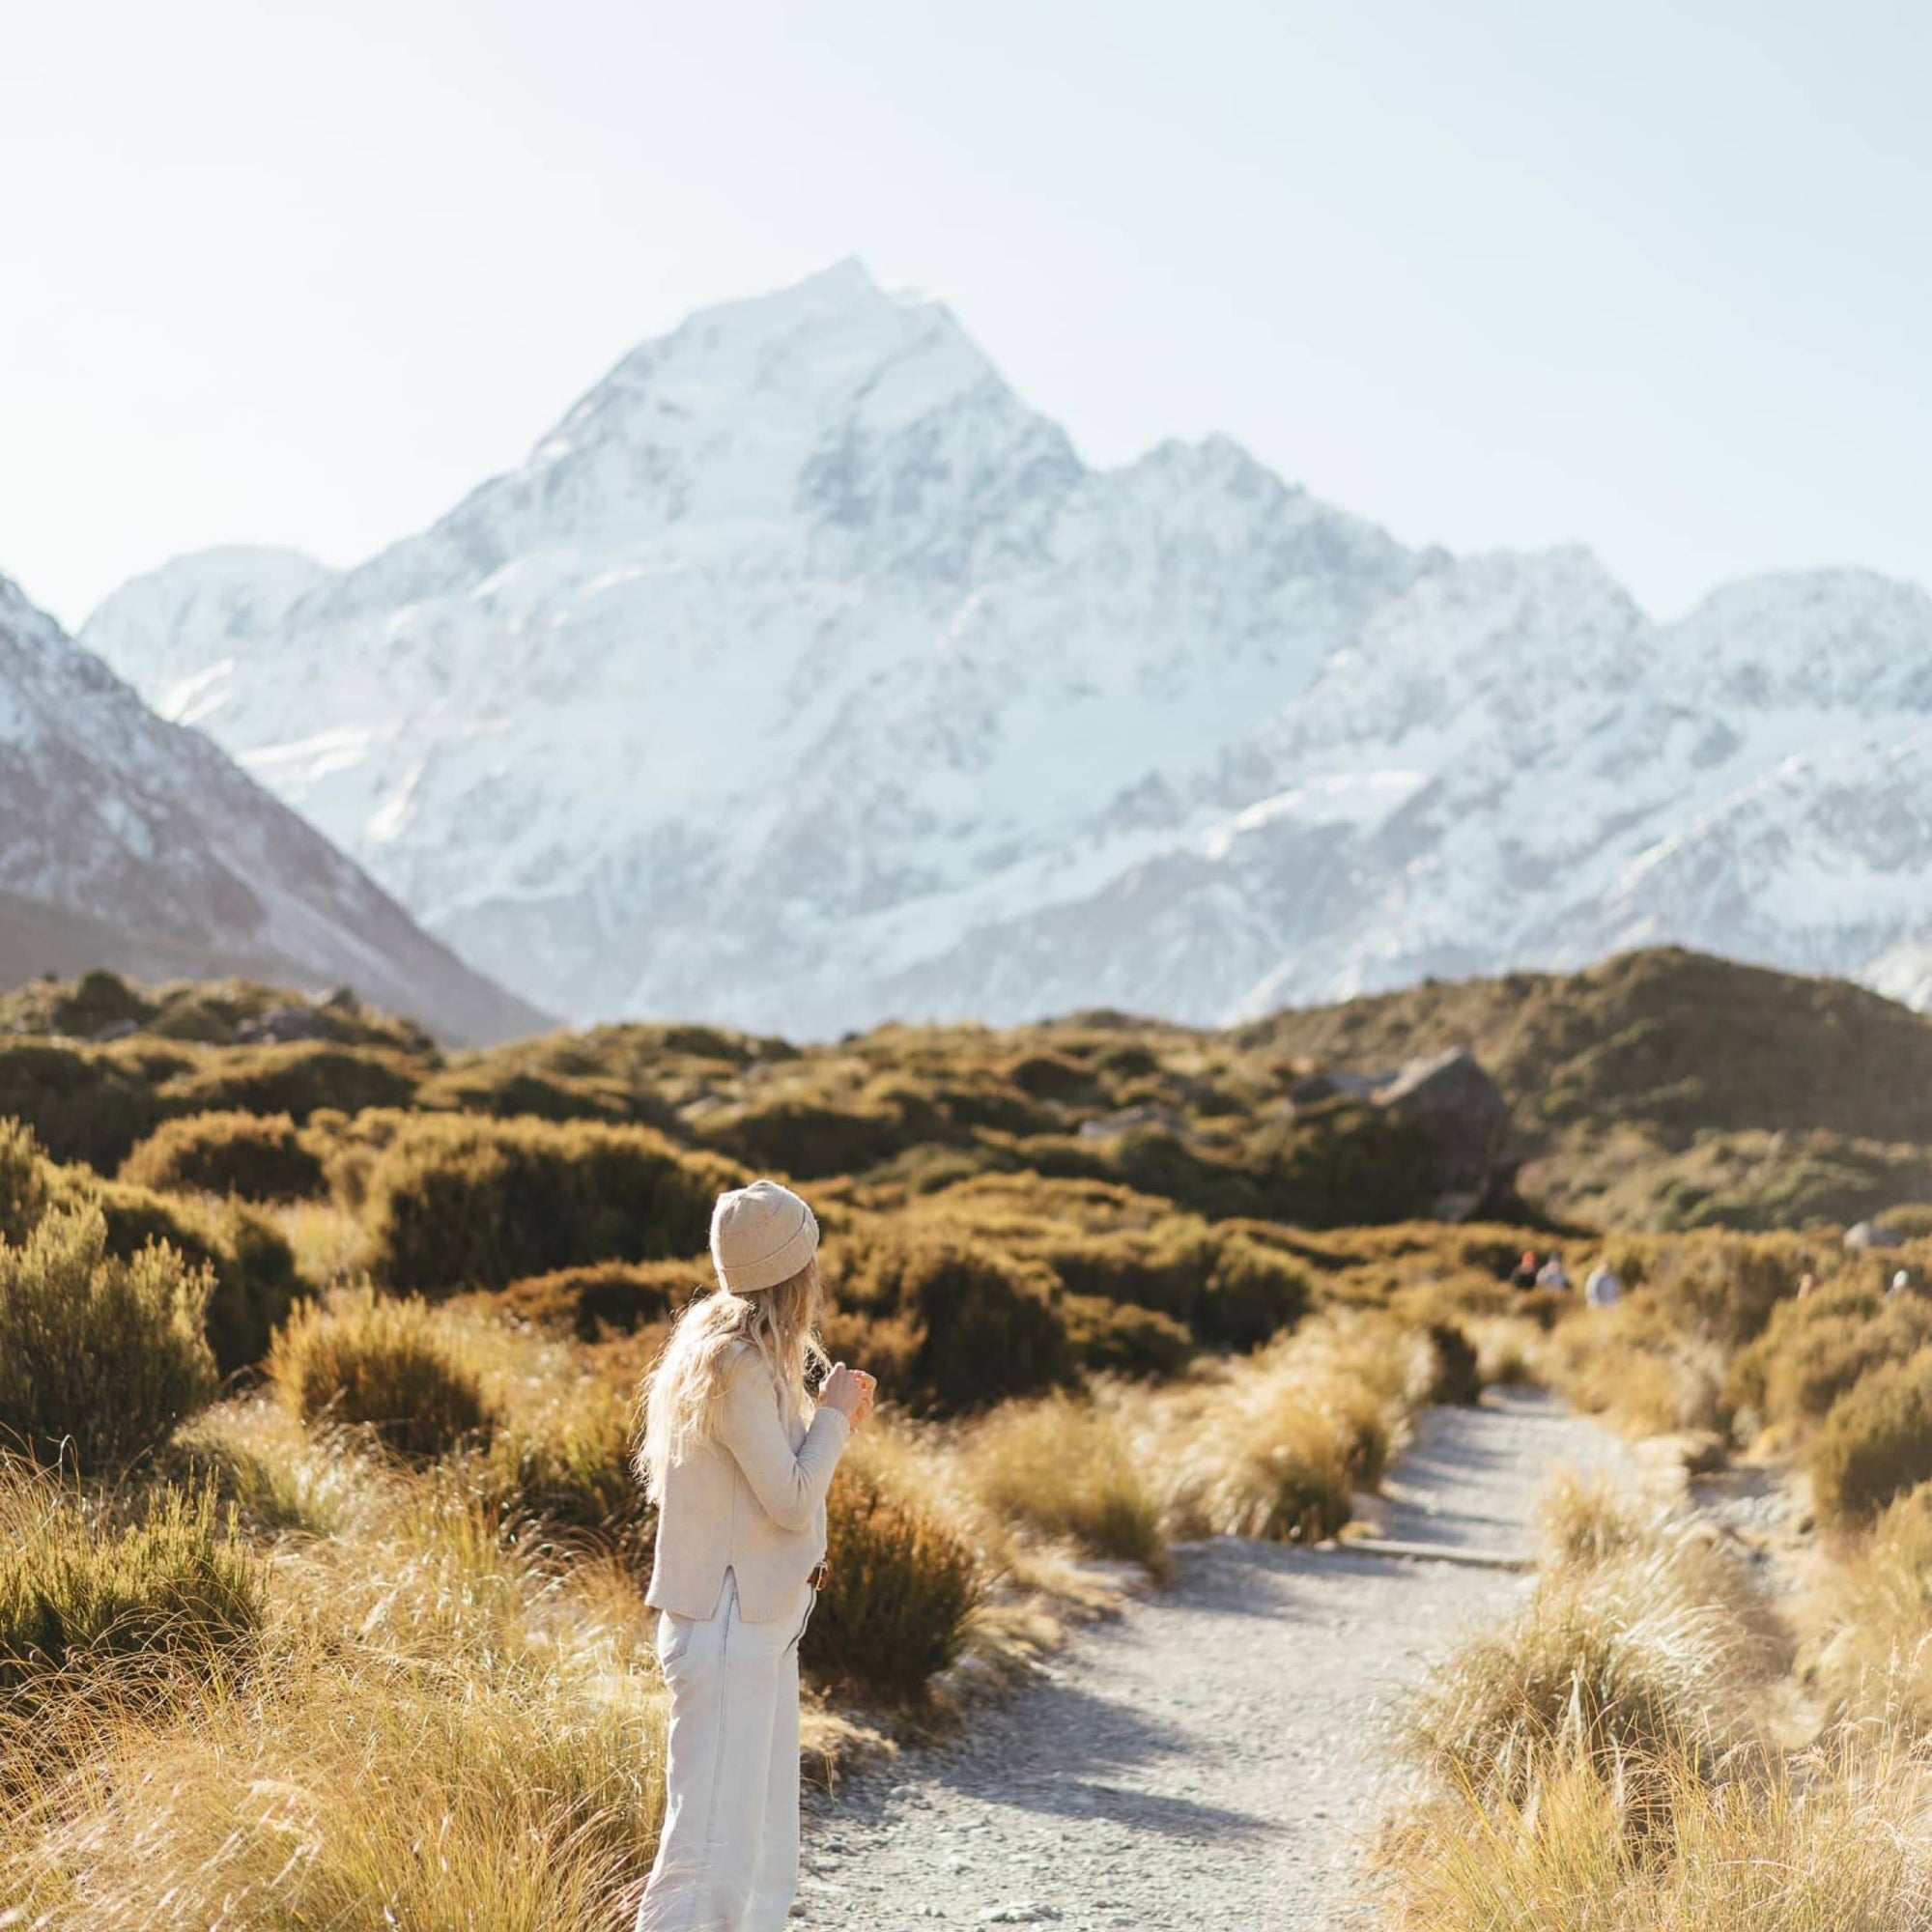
(804, 676)
(129, 841)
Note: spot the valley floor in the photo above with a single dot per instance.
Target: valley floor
(1214, 1758)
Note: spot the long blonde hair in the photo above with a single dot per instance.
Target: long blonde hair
(682, 1390)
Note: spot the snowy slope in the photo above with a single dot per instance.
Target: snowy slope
(803, 675)
(129, 841)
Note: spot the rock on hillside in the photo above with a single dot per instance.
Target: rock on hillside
(130, 843)
(804, 676)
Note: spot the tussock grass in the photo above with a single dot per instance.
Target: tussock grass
(1643, 1655)
(388, 1367)
(1067, 1467)
(1834, 1842)
(437, 1733)
(1276, 1446)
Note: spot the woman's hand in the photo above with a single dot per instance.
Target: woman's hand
(849, 1391)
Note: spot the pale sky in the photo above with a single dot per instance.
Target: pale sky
(1654, 276)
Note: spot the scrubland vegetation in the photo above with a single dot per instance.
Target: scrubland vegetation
(318, 1350)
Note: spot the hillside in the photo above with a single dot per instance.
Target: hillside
(132, 843)
(803, 591)
(1660, 1089)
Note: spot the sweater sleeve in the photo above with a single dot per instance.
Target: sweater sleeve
(788, 1486)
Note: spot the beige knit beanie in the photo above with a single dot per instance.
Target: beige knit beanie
(760, 1235)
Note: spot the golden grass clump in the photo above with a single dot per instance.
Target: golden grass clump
(437, 1733)
(1834, 1842)
(388, 1367)
(1275, 1446)
(1067, 1467)
(1872, 1656)
(1645, 1643)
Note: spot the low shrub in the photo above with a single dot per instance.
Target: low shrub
(1067, 1467)
(811, 1139)
(384, 1366)
(258, 1157)
(88, 1601)
(24, 1194)
(81, 1103)
(958, 1327)
(1875, 1442)
(295, 1079)
(607, 1297)
(901, 1589)
(99, 1357)
(457, 1201)
(1456, 1376)
(1120, 1338)
(1816, 1346)
(252, 1266)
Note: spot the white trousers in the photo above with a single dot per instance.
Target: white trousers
(728, 1857)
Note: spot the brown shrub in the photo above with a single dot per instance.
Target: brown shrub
(1875, 1442)
(258, 1157)
(605, 1297)
(458, 1201)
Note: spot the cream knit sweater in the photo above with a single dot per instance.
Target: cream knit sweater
(750, 1500)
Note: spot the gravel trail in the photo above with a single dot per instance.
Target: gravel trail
(1213, 1758)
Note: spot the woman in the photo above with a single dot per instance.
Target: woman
(739, 1475)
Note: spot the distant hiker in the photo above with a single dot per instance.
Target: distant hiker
(1554, 1274)
(1600, 1287)
(738, 1460)
(1524, 1275)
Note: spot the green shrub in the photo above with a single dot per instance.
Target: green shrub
(457, 1201)
(1251, 1294)
(99, 999)
(1457, 1376)
(99, 1357)
(255, 1278)
(81, 1600)
(605, 1297)
(23, 1181)
(507, 1092)
(258, 1157)
(1120, 1338)
(810, 1139)
(901, 1592)
(1875, 1442)
(81, 1103)
(381, 1365)
(295, 1079)
(975, 1326)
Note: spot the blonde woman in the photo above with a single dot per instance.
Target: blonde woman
(738, 1462)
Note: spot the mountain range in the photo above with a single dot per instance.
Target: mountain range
(129, 842)
(804, 676)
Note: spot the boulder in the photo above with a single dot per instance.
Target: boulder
(1870, 1234)
(1451, 1097)
(284, 1024)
